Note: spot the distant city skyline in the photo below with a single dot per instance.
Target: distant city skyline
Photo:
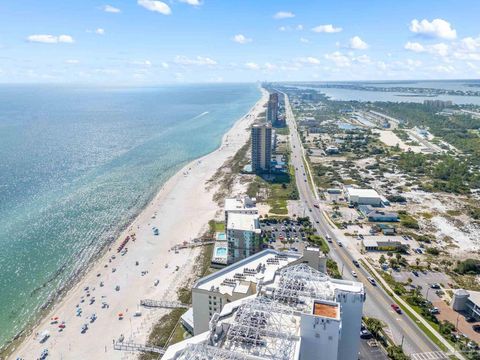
(139, 42)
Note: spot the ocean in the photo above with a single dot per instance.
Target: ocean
(77, 164)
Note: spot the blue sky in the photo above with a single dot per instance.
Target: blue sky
(154, 42)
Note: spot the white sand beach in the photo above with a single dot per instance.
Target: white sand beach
(181, 211)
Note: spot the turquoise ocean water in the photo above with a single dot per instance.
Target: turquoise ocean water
(78, 163)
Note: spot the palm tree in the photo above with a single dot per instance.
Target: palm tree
(374, 325)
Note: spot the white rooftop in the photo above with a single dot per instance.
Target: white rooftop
(362, 192)
(236, 276)
(239, 203)
(474, 297)
(245, 222)
(374, 240)
(267, 325)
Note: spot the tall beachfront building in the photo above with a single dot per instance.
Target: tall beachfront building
(243, 236)
(261, 147)
(272, 108)
(274, 305)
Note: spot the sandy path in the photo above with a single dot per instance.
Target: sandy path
(181, 211)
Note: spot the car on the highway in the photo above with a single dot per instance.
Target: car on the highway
(354, 274)
(396, 308)
(356, 263)
(329, 239)
(372, 281)
(340, 244)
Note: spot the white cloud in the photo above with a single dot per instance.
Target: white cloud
(339, 59)
(470, 44)
(309, 60)
(304, 40)
(363, 59)
(100, 31)
(111, 9)
(440, 49)
(146, 63)
(165, 65)
(156, 6)
(50, 39)
(300, 27)
(328, 28)
(252, 66)
(191, 2)
(414, 46)
(241, 39)
(437, 28)
(269, 66)
(282, 28)
(72, 61)
(357, 43)
(448, 69)
(283, 15)
(199, 60)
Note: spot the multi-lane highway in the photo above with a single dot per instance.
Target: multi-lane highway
(378, 303)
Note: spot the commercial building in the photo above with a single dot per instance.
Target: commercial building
(272, 108)
(243, 236)
(467, 302)
(374, 243)
(296, 313)
(261, 147)
(376, 215)
(362, 196)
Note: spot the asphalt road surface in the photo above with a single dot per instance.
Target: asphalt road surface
(378, 304)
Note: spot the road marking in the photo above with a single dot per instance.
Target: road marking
(434, 355)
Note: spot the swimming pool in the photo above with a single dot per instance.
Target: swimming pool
(220, 251)
(221, 236)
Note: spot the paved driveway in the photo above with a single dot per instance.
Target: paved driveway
(447, 313)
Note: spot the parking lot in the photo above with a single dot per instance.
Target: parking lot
(424, 279)
(369, 350)
(287, 234)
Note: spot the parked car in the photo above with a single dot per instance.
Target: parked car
(476, 328)
(415, 272)
(434, 310)
(435, 286)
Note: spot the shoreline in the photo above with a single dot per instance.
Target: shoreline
(190, 176)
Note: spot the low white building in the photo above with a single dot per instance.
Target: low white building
(243, 236)
(362, 196)
(298, 314)
(240, 205)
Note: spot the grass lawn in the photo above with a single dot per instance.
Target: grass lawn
(161, 332)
